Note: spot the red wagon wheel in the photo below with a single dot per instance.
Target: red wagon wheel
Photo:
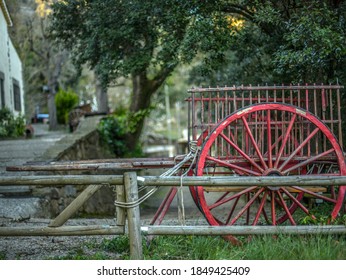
(260, 141)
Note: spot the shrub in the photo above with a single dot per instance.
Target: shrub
(11, 126)
(65, 101)
(114, 128)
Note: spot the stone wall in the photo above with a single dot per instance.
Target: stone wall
(83, 144)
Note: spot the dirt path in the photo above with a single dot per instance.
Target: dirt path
(54, 247)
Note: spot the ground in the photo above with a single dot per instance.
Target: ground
(50, 247)
(55, 247)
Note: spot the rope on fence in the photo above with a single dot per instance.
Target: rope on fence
(191, 156)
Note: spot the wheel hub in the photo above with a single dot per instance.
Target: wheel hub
(273, 173)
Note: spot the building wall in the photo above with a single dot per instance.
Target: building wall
(10, 72)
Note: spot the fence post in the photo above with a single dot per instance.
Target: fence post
(120, 212)
(133, 216)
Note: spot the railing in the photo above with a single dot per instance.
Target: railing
(208, 106)
(127, 191)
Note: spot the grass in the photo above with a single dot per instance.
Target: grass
(263, 247)
(266, 247)
(281, 247)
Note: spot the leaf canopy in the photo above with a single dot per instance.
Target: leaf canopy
(119, 38)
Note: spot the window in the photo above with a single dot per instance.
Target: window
(2, 90)
(16, 96)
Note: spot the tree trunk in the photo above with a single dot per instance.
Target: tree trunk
(53, 84)
(142, 90)
(141, 93)
(102, 97)
(53, 121)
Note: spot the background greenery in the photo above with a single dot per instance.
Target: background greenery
(10, 126)
(65, 101)
(136, 48)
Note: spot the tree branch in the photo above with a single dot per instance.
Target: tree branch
(238, 9)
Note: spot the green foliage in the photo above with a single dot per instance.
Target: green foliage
(119, 245)
(293, 247)
(266, 247)
(188, 248)
(121, 38)
(279, 41)
(114, 129)
(65, 101)
(313, 46)
(321, 215)
(11, 126)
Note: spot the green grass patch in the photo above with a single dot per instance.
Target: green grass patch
(266, 247)
(261, 247)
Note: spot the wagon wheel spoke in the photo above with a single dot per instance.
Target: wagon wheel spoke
(223, 163)
(297, 202)
(223, 201)
(248, 197)
(260, 208)
(284, 141)
(247, 206)
(307, 161)
(273, 208)
(253, 141)
(235, 203)
(221, 197)
(269, 132)
(314, 194)
(264, 212)
(284, 205)
(299, 148)
(241, 152)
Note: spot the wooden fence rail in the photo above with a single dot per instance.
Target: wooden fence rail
(217, 181)
(62, 231)
(61, 180)
(127, 191)
(241, 230)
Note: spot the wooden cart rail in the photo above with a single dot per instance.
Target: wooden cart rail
(119, 164)
(97, 165)
(208, 106)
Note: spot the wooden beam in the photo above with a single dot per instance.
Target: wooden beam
(120, 212)
(62, 231)
(74, 206)
(133, 216)
(97, 165)
(56, 180)
(241, 230)
(216, 181)
(236, 181)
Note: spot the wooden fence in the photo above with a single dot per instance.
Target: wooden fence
(127, 192)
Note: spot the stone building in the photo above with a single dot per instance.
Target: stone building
(11, 80)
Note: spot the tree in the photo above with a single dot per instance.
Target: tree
(313, 47)
(46, 67)
(143, 40)
(285, 41)
(52, 58)
(146, 40)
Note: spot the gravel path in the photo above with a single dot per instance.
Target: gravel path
(51, 247)
(54, 247)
